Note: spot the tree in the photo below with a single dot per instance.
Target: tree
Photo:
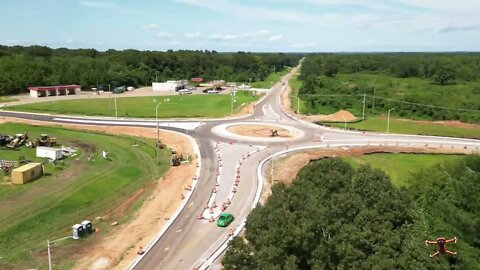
(444, 73)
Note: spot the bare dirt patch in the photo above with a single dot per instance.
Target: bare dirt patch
(117, 249)
(259, 131)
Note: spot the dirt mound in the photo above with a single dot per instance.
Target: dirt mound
(339, 116)
(259, 131)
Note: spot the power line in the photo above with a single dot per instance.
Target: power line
(392, 100)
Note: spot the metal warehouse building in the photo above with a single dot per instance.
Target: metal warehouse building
(59, 90)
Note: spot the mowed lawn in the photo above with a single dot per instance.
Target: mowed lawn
(72, 191)
(400, 166)
(401, 126)
(272, 79)
(186, 106)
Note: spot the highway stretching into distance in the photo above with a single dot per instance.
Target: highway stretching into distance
(192, 239)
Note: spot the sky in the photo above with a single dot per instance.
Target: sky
(244, 25)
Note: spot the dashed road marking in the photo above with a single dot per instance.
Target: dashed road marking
(190, 205)
(178, 231)
(166, 249)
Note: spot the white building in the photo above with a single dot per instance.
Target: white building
(169, 86)
(48, 152)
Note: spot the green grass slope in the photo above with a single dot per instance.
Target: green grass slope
(74, 190)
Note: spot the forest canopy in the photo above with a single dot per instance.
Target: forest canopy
(336, 217)
(21, 67)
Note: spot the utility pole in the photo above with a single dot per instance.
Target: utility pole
(364, 99)
(373, 105)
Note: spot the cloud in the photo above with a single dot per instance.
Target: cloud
(246, 35)
(193, 35)
(150, 26)
(96, 4)
(164, 35)
(275, 38)
(450, 29)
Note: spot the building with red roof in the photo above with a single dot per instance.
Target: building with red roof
(59, 90)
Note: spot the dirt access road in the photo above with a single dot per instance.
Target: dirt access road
(117, 250)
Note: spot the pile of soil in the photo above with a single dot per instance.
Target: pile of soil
(259, 131)
(339, 116)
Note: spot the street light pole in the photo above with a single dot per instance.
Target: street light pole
(388, 119)
(116, 112)
(158, 129)
(48, 249)
(345, 121)
(364, 99)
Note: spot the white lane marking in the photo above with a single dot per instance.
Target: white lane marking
(184, 125)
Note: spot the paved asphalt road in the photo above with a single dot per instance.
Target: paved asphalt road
(189, 242)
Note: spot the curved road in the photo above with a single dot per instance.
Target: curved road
(190, 242)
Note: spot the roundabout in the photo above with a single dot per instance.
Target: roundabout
(259, 133)
(232, 156)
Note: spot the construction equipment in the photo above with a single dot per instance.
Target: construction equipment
(274, 133)
(18, 140)
(44, 140)
(5, 139)
(176, 160)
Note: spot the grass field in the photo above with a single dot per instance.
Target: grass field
(297, 103)
(388, 91)
(7, 99)
(272, 79)
(400, 166)
(74, 190)
(171, 106)
(410, 127)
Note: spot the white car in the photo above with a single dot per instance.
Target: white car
(184, 92)
(212, 92)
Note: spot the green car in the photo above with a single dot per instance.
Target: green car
(224, 220)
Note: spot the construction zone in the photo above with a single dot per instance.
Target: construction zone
(65, 170)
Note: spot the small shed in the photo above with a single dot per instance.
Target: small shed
(49, 152)
(27, 173)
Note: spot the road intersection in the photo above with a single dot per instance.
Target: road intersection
(230, 173)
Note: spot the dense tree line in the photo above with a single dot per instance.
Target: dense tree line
(440, 68)
(38, 65)
(335, 217)
(438, 80)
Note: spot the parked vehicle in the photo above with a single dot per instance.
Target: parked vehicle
(213, 92)
(184, 92)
